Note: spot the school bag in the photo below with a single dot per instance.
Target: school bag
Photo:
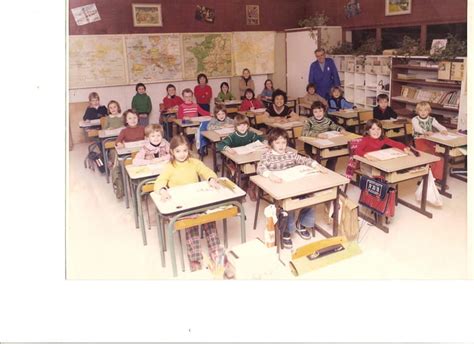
(377, 195)
(95, 159)
(349, 218)
(116, 176)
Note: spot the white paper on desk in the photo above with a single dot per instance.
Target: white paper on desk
(295, 173)
(224, 131)
(447, 137)
(232, 102)
(387, 154)
(134, 144)
(262, 110)
(112, 132)
(93, 122)
(332, 133)
(156, 168)
(323, 142)
(250, 148)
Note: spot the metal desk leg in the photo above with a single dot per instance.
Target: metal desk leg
(134, 200)
(181, 254)
(257, 206)
(138, 197)
(445, 173)
(171, 248)
(224, 224)
(106, 158)
(422, 209)
(160, 238)
(214, 156)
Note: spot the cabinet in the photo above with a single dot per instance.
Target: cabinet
(416, 79)
(363, 77)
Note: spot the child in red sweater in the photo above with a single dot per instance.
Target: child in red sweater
(250, 102)
(132, 131)
(171, 102)
(203, 92)
(188, 108)
(374, 139)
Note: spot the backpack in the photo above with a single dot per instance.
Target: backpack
(377, 195)
(117, 181)
(95, 158)
(349, 218)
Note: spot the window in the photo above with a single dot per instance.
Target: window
(359, 37)
(441, 31)
(393, 37)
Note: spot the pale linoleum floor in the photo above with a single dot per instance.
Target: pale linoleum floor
(103, 243)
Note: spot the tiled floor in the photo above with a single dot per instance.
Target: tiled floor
(102, 242)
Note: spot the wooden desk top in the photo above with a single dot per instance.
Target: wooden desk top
(91, 123)
(104, 134)
(213, 136)
(285, 125)
(389, 125)
(402, 163)
(137, 145)
(337, 141)
(203, 195)
(461, 140)
(251, 114)
(146, 171)
(305, 185)
(241, 159)
(195, 121)
(348, 114)
(229, 102)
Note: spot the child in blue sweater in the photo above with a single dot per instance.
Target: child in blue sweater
(337, 101)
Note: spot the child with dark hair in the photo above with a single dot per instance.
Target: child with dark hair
(203, 92)
(171, 102)
(382, 111)
(278, 108)
(141, 103)
(267, 93)
(220, 119)
(225, 93)
(311, 96)
(250, 102)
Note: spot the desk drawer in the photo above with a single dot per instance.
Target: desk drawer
(248, 169)
(396, 177)
(329, 153)
(393, 133)
(190, 130)
(312, 199)
(453, 152)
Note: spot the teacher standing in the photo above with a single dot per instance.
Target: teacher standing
(323, 73)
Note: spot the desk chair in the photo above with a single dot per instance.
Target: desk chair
(362, 118)
(302, 109)
(144, 188)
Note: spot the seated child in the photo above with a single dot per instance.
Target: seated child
(278, 158)
(171, 102)
(316, 126)
(311, 96)
(188, 108)
(181, 170)
(220, 119)
(94, 110)
(156, 148)
(132, 131)
(241, 137)
(245, 82)
(374, 139)
(225, 94)
(114, 120)
(278, 110)
(250, 102)
(382, 111)
(141, 103)
(203, 92)
(424, 125)
(266, 95)
(337, 101)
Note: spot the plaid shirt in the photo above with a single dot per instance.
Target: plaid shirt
(272, 161)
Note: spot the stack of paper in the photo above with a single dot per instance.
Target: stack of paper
(295, 173)
(386, 154)
(250, 148)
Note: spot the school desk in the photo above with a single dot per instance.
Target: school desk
(399, 170)
(333, 147)
(183, 212)
(122, 154)
(215, 137)
(394, 129)
(255, 117)
(232, 106)
(290, 102)
(106, 136)
(449, 148)
(139, 176)
(167, 118)
(292, 127)
(192, 122)
(304, 192)
(88, 124)
(352, 117)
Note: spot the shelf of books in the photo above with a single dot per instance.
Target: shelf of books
(363, 77)
(442, 84)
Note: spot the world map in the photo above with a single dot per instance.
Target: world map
(210, 54)
(153, 58)
(96, 61)
(255, 51)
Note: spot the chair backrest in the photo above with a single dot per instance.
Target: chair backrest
(103, 122)
(352, 164)
(364, 116)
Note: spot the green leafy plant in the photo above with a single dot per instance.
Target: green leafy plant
(370, 47)
(410, 47)
(454, 48)
(319, 19)
(344, 48)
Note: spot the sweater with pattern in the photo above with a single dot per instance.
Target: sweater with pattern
(190, 110)
(149, 152)
(237, 140)
(182, 173)
(313, 127)
(421, 126)
(273, 161)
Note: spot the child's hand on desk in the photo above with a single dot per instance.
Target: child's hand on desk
(343, 131)
(149, 156)
(370, 158)
(408, 151)
(230, 150)
(275, 178)
(323, 136)
(214, 184)
(164, 194)
(444, 132)
(119, 145)
(428, 133)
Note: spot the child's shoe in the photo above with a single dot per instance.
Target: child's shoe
(286, 240)
(303, 232)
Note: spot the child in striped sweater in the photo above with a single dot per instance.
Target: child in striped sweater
(156, 148)
(181, 170)
(316, 126)
(277, 158)
(188, 108)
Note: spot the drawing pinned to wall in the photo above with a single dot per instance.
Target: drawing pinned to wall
(85, 14)
(437, 46)
(205, 14)
(147, 15)
(397, 7)
(252, 14)
(352, 8)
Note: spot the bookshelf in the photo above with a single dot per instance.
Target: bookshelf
(415, 79)
(363, 77)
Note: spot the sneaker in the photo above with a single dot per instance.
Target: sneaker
(303, 233)
(286, 240)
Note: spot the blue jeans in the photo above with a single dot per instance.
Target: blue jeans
(307, 218)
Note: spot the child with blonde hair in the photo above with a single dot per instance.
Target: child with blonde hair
(156, 148)
(94, 110)
(181, 170)
(337, 101)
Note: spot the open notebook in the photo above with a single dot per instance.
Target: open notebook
(295, 173)
(387, 154)
(250, 148)
(447, 137)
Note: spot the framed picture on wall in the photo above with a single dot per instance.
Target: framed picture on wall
(147, 15)
(397, 7)
(252, 14)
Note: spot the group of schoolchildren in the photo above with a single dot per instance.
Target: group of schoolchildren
(183, 169)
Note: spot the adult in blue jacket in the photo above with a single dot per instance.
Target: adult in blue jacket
(323, 73)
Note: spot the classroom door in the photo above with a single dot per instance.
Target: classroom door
(299, 56)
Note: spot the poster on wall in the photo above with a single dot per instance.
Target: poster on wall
(85, 14)
(205, 14)
(397, 7)
(252, 14)
(147, 15)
